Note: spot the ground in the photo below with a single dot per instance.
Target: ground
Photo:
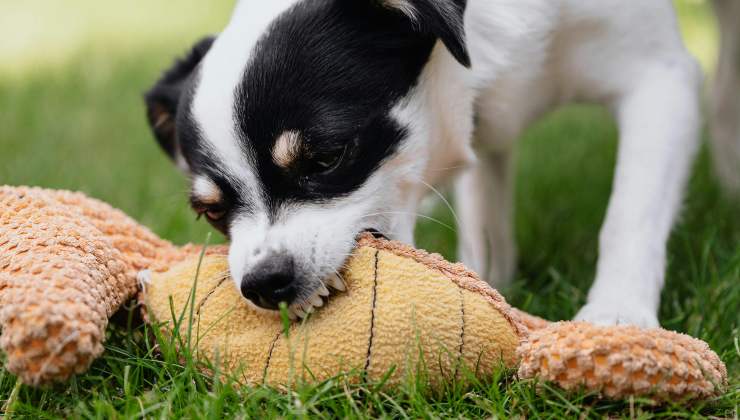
(71, 116)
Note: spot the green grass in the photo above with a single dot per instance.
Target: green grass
(71, 117)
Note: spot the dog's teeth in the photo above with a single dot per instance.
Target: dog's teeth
(336, 282)
(303, 309)
(323, 291)
(298, 311)
(291, 313)
(316, 301)
(307, 307)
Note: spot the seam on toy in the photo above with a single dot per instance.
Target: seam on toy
(372, 312)
(273, 344)
(205, 298)
(456, 272)
(462, 334)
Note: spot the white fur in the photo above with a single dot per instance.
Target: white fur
(529, 56)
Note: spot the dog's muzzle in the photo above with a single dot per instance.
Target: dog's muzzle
(271, 282)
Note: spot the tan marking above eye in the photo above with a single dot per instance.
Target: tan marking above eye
(287, 148)
(206, 191)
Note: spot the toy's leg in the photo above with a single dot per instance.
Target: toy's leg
(484, 201)
(726, 97)
(659, 123)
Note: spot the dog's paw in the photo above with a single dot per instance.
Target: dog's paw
(610, 313)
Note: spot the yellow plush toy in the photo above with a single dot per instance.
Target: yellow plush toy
(403, 309)
(68, 262)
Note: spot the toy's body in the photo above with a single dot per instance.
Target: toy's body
(68, 262)
(403, 309)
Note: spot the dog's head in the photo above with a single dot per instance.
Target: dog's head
(294, 127)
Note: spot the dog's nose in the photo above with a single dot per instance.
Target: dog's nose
(270, 282)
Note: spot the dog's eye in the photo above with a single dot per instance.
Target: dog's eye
(211, 212)
(326, 162)
(215, 215)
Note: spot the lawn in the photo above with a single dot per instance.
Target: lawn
(71, 116)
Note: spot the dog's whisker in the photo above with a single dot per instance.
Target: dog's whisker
(449, 168)
(444, 200)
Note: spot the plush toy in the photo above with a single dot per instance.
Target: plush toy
(402, 304)
(622, 361)
(402, 309)
(67, 262)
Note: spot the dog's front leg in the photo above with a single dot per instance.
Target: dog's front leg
(484, 198)
(659, 130)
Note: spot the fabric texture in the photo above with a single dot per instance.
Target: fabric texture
(623, 361)
(67, 263)
(404, 311)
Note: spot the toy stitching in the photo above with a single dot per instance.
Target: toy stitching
(372, 312)
(273, 344)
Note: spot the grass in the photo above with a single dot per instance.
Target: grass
(71, 117)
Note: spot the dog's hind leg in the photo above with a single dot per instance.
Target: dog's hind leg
(484, 201)
(659, 122)
(725, 119)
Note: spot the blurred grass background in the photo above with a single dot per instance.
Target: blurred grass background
(71, 116)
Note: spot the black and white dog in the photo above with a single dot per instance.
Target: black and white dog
(306, 122)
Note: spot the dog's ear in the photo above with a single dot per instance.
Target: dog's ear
(443, 18)
(163, 98)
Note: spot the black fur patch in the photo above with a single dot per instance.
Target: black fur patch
(164, 97)
(331, 70)
(445, 19)
(200, 162)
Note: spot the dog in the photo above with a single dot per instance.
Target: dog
(307, 122)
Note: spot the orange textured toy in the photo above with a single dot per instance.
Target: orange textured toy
(68, 262)
(621, 361)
